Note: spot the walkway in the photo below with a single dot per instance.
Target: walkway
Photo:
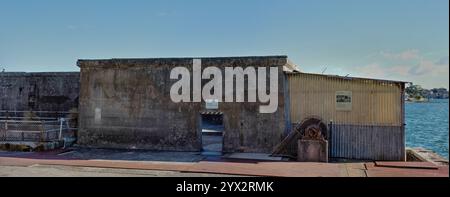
(243, 167)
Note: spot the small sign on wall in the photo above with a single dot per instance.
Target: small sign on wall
(98, 115)
(344, 100)
(212, 104)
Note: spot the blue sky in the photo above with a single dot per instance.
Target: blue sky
(391, 39)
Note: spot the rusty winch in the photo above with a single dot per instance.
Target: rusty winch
(307, 142)
(312, 129)
(313, 141)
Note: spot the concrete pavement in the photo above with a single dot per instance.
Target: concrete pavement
(134, 164)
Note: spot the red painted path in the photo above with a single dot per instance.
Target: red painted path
(282, 169)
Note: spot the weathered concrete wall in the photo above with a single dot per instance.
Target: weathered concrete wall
(57, 91)
(125, 103)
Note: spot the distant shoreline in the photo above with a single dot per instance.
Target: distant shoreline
(423, 100)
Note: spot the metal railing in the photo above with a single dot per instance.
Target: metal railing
(37, 115)
(35, 130)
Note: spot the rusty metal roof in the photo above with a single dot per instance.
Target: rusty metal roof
(348, 78)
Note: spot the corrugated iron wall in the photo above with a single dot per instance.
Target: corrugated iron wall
(367, 142)
(374, 102)
(372, 129)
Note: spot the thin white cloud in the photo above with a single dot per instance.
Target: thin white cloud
(423, 67)
(420, 71)
(443, 61)
(376, 70)
(427, 67)
(409, 54)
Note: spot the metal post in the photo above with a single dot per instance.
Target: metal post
(330, 138)
(7, 118)
(60, 127)
(42, 131)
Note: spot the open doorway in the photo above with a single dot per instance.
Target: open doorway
(212, 133)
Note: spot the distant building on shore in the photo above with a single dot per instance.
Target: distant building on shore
(435, 93)
(416, 92)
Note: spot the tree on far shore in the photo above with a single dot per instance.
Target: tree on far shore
(417, 92)
(414, 91)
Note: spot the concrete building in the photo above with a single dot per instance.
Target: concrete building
(125, 103)
(54, 91)
(31, 105)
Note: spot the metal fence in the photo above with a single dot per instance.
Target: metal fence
(370, 142)
(34, 115)
(35, 130)
(359, 142)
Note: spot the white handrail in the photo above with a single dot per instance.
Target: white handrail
(60, 128)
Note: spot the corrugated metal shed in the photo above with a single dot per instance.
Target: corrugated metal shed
(369, 126)
(374, 102)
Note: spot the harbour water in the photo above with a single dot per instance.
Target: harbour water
(427, 125)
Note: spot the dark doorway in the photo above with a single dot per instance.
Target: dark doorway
(212, 133)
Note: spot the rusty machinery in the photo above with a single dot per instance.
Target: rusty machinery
(310, 129)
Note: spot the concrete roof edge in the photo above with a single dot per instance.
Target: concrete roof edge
(38, 73)
(79, 61)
